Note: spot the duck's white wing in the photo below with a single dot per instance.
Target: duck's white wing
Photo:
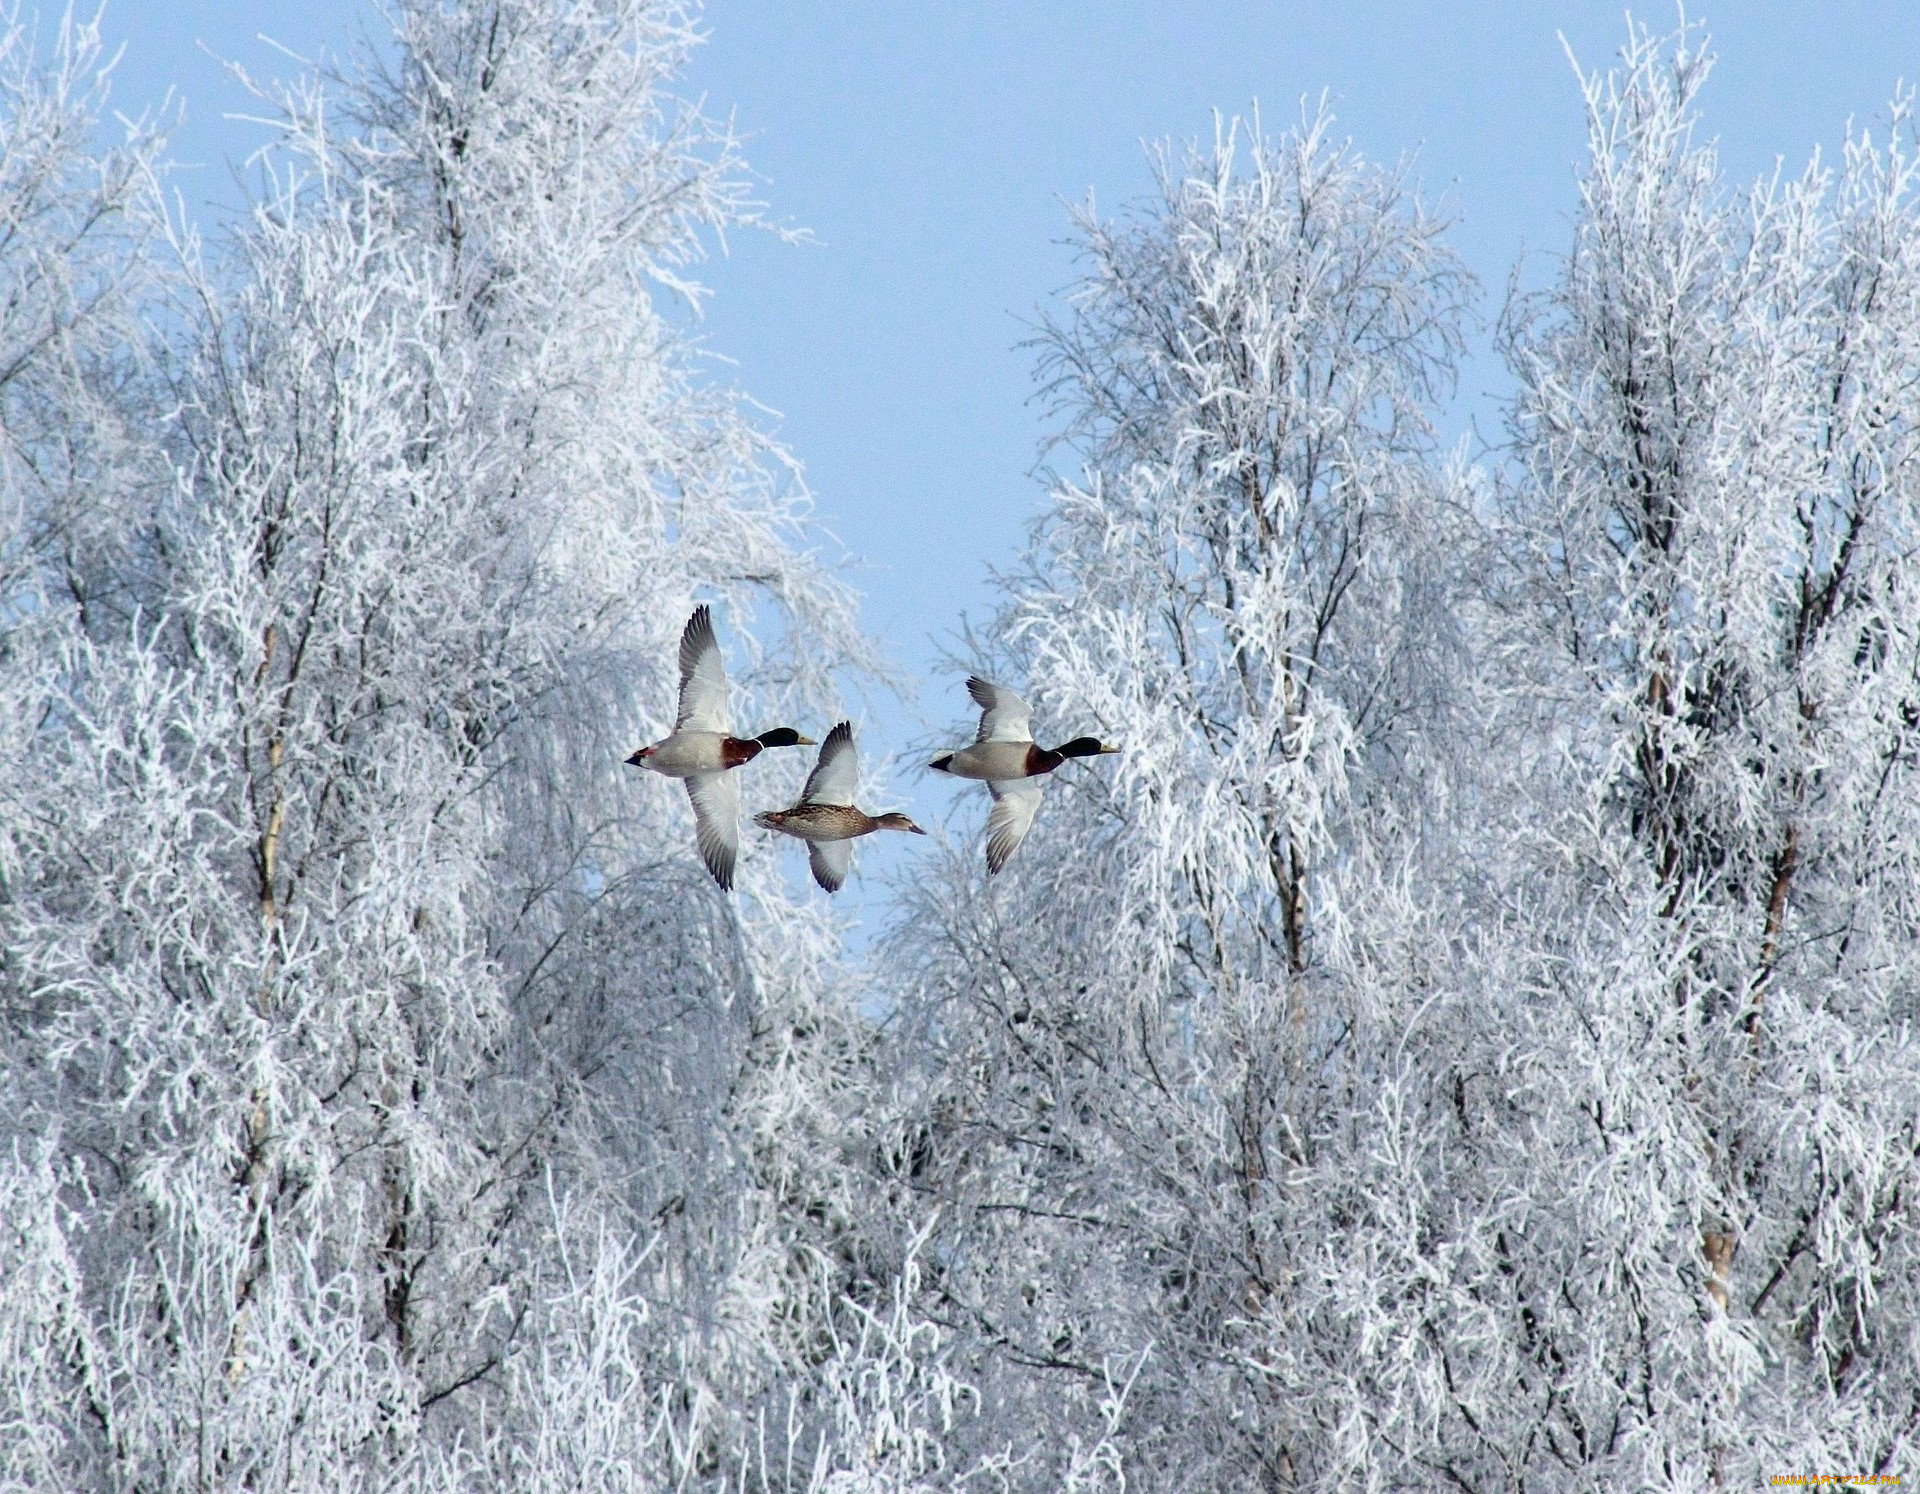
(1004, 716)
(703, 677)
(836, 774)
(830, 860)
(716, 822)
(1015, 802)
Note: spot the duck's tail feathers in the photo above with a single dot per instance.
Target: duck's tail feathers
(939, 764)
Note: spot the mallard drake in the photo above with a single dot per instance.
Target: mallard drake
(825, 817)
(702, 750)
(1006, 758)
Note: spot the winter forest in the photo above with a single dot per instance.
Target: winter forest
(1464, 1040)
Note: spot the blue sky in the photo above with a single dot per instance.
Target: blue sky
(931, 149)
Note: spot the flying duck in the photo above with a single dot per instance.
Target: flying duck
(702, 750)
(825, 817)
(1013, 766)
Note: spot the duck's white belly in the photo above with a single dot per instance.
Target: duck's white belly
(992, 762)
(686, 753)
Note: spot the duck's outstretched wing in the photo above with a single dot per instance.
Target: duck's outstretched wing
(1015, 802)
(1004, 716)
(716, 822)
(830, 860)
(703, 677)
(837, 773)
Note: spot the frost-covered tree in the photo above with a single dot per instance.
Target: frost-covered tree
(71, 223)
(1161, 1036)
(1707, 1094)
(389, 1100)
(1466, 1041)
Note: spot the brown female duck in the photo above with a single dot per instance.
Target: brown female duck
(702, 750)
(1006, 758)
(825, 817)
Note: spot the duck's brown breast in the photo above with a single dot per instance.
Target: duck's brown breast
(1042, 760)
(737, 750)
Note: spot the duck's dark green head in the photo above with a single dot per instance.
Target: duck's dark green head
(1084, 747)
(783, 736)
